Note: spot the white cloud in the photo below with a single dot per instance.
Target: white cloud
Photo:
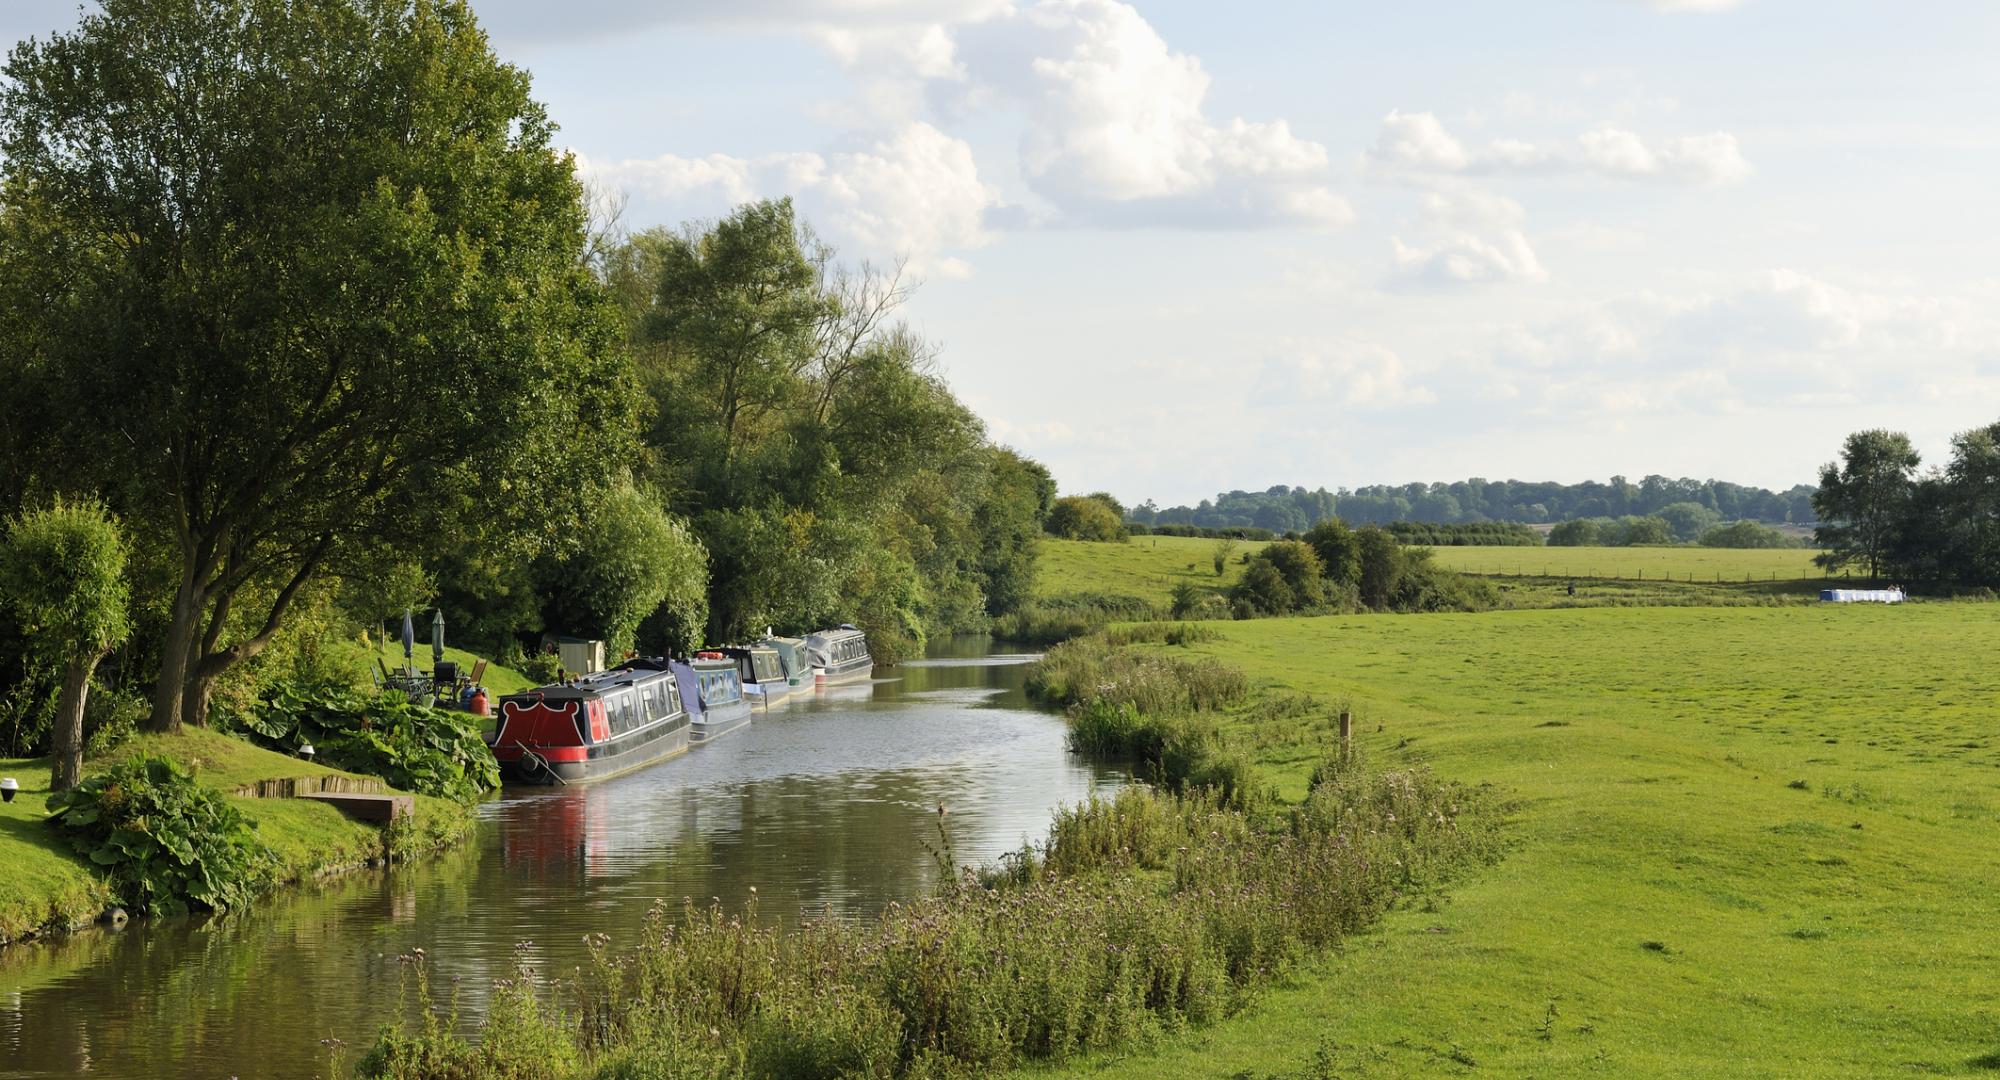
(916, 192)
(1470, 237)
(1783, 339)
(1417, 141)
(1117, 131)
(1418, 145)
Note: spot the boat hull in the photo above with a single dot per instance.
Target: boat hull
(713, 723)
(565, 765)
(853, 671)
(768, 695)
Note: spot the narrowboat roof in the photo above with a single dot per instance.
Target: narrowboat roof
(629, 673)
(841, 633)
(746, 650)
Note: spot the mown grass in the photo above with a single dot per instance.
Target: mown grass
(1698, 564)
(498, 679)
(50, 887)
(1748, 842)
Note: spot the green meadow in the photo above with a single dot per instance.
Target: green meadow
(1144, 566)
(1743, 842)
(1676, 563)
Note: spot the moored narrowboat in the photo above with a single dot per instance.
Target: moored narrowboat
(792, 657)
(713, 693)
(592, 727)
(839, 655)
(762, 674)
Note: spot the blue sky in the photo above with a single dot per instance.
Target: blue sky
(1170, 248)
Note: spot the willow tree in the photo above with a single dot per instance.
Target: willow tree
(312, 284)
(62, 571)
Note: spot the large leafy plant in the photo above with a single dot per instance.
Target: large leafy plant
(169, 844)
(410, 746)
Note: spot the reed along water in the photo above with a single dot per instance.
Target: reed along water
(825, 806)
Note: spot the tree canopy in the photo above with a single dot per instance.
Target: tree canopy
(332, 262)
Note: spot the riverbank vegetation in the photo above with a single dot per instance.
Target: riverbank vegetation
(52, 887)
(1140, 917)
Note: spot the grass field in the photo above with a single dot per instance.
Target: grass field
(1677, 563)
(1747, 842)
(1144, 566)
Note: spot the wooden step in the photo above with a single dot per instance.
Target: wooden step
(367, 807)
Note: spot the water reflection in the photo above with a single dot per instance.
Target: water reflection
(825, 805)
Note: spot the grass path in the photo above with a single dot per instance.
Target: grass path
(1748, 842)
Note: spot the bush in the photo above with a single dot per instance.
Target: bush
(1092, 669)
(1080, 517)
(412, 747)
(168, 843)
(1582, 532)
(1071, 615)
(1285, 576)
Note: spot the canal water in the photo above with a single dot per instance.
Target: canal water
(827, 805)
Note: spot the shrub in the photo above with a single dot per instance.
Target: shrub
(1579, 533)
(168, 843)
(1092, 669)
(1285, 576)
(1338, 550)
(412, 747)
(1424, 586)
(1080, 517)
(1071, 615)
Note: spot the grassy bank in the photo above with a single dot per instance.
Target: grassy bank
(1144, 566)
(1749, 842)
(51, 887)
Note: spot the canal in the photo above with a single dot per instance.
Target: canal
(824, 806)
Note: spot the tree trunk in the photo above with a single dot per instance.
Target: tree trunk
(194, 696)
(176, 653)
(67, 768)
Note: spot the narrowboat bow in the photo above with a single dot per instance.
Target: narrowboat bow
(592, 727)
(839, 656)
(714, 695)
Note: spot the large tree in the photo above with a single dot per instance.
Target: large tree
(1861, 498)
(319, 278)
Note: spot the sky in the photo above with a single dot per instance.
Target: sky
(1172, 248)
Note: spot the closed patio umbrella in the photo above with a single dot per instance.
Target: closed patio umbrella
(437, 637)
(409, 641)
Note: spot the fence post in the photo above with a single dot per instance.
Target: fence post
(1346, 728)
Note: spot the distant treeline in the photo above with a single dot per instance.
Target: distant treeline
(1234, 532)
(1475, 534)
(1291, 509)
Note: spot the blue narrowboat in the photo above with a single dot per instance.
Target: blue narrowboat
(713, 692)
